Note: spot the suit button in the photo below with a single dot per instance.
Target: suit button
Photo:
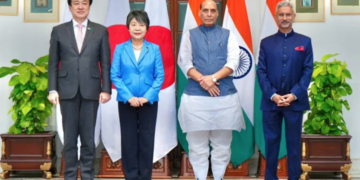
(284, 64)
(284, 55)
(284, 47)
(283, 75)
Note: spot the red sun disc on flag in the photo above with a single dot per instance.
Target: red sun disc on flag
(162, 36)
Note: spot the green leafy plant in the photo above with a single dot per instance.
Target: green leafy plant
(30, 107)
(328, 87)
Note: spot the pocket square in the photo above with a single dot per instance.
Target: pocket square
(299, 48)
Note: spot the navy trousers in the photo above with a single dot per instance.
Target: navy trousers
(272, 121)
(137, 139)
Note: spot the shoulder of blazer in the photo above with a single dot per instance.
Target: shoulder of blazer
(302, 36)
(120, 47)
(63, 25)
(269, 38)
(96, 25)
(123, 44)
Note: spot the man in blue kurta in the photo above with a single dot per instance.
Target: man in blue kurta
(210, 107)
(284, 71)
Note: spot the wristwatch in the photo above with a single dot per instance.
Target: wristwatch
(213, 78)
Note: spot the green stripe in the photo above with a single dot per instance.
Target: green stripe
(242, 145)
(181, 84)
(258, 125)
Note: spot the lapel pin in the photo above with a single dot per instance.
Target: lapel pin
(90, 28)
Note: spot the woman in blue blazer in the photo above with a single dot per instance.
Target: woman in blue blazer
(137, 72)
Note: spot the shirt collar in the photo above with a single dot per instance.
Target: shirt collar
(85, 23)
(281, 34)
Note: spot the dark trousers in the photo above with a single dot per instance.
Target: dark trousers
(272, 121)
(79, 117)
(137, 139)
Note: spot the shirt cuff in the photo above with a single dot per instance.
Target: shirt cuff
(186, 69)
(231, 66)
(294, 96)
(271, 98)
(52, 91)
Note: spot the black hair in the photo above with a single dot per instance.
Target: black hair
(69, 2)
(141, 16)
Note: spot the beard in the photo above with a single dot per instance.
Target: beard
(285, 24)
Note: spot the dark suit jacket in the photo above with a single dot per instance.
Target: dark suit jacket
(79, 70)
(285, 66)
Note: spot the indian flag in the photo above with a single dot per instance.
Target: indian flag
(269, 27)
(192, 20)
(237, 21)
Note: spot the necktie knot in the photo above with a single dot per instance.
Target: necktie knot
(80, 26)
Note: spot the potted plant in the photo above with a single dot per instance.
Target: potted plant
(326, 143)
(27, 146)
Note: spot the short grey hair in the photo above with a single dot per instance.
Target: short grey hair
(284, 4)
(204, 1)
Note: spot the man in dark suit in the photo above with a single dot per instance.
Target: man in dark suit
(284, 71)
(79, 83)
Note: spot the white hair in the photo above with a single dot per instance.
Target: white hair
(284, 4)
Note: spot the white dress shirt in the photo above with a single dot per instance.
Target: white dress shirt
(85, 23)
(197, 113)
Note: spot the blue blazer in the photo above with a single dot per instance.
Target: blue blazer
(285, 66)
(142, 78)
